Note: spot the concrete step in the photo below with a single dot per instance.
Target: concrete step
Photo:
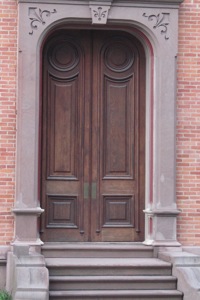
(107, 266)
(114, 282)
(137, 250)
(119, 294)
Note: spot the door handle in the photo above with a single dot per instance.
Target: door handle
(86, 190)
(94, 190)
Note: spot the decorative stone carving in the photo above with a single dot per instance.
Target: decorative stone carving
(99, 11)
(38, 17)
(160, 21)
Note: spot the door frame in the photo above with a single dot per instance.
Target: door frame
(160, 44)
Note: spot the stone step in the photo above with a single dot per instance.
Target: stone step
(114, 282)
(107, 266)
(119, 294)
(137, 250)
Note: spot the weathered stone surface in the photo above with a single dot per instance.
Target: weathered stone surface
(186, 267)
(31, 295)
(27, 276)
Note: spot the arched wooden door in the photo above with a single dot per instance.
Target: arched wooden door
(93, 137)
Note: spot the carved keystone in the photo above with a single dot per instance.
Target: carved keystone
(99, 11)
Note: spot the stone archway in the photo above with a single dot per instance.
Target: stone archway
(156, 23)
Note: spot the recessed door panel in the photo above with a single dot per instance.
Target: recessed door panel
(118, 118)
(117, 152)
(63, 116)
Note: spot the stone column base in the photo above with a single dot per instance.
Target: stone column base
(161, 228)
(27, 275)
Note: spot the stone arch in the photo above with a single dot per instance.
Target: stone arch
(147, 23)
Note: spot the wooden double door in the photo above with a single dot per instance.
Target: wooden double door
(93, 137)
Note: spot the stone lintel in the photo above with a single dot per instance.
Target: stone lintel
(117, 2)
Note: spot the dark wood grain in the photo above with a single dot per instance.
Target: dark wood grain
(93, 137)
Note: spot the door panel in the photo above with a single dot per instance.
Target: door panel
(65, 146)
(63, 135)
(93, 137)
(117, 208)
(117, 140)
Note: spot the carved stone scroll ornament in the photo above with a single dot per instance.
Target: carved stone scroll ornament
(99, 11)
(36, 15)
(161, 21)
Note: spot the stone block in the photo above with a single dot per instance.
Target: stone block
(31, 295)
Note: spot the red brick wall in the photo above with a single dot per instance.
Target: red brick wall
(188, 124)
(8, 58)
(188, 120)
